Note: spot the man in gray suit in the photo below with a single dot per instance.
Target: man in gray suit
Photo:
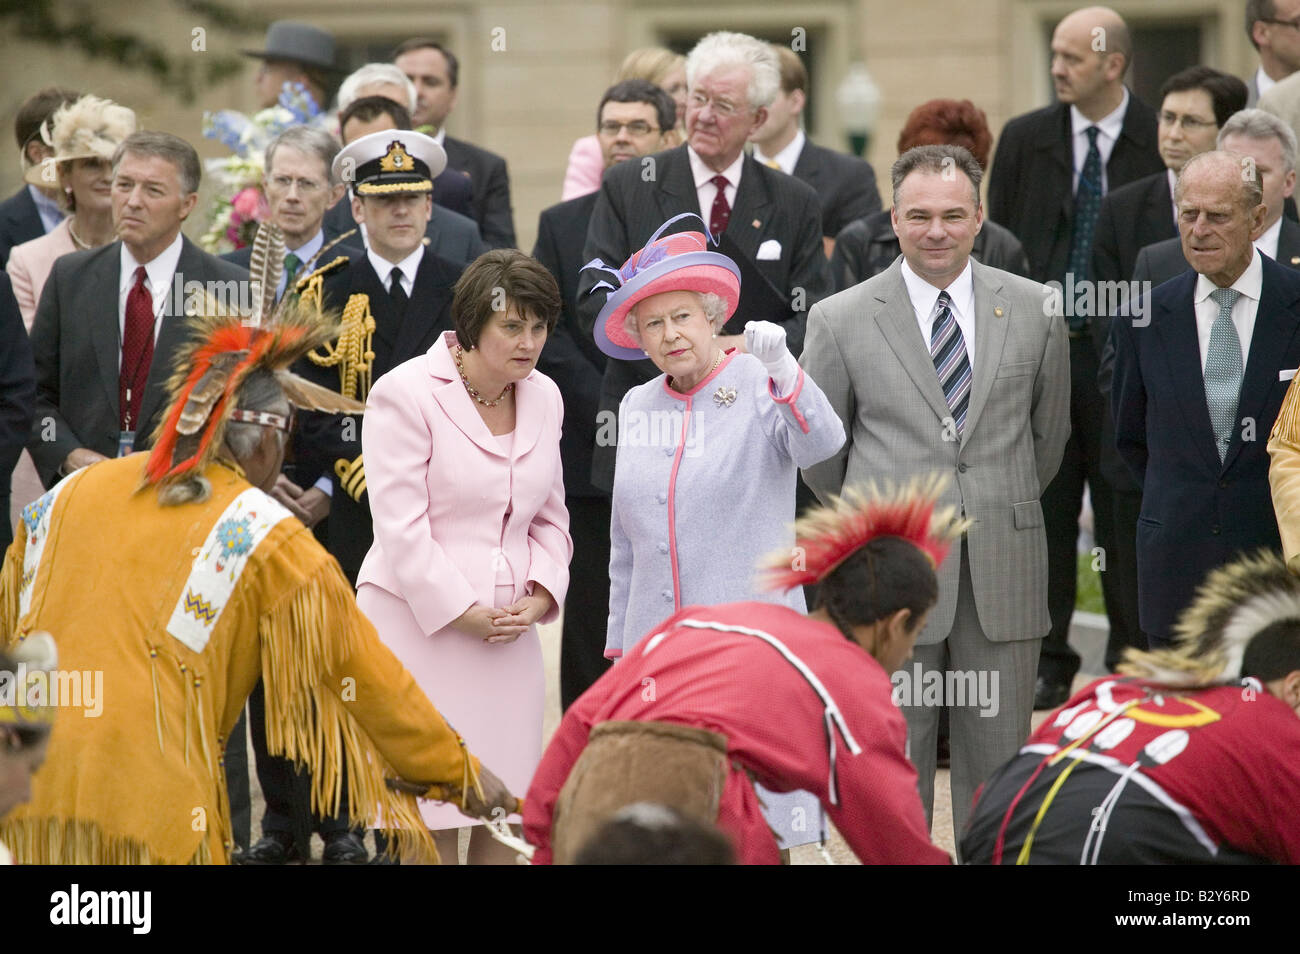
(941, 364)
(110, 319)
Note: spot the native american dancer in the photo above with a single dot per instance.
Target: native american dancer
(27, 711)
(1190, 756)
(181, 580)
(717, 698)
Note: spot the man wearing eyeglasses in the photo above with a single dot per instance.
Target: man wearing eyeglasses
(631, 122)
(1274, 30)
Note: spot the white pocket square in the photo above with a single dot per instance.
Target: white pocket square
(1287, 375)
(769, 251)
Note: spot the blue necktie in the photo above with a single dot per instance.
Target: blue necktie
(1087, 206)
(948, 349)
(1223, 370)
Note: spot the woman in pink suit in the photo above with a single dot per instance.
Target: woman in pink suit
(462, 458)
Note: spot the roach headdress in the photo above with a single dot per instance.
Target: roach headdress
(225, 345)
(1235, 604)
(827, 536)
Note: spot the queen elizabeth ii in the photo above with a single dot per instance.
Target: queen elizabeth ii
(709, 451)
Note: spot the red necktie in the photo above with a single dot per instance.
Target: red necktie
(721, 212)
(137, 351)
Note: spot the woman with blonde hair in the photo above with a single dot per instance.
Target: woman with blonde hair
(654, 64)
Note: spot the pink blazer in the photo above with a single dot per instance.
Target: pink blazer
(30, 264)
(449, 505)
(586, 166)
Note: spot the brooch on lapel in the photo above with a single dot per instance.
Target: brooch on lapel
(724, 396)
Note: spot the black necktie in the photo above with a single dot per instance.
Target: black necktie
(397, 292)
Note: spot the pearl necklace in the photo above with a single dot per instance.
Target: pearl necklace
(460, 366)
(77, 239)
(713, 367)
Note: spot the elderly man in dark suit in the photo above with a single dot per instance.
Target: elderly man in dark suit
(1051, 169)
(1198, 381)
(768, 222)
(30, 213)
(110, 319)
(845, 185)
(631, 121)
(435, 71)
(450, 235)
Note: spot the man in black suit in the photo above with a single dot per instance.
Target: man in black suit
(435, 72)
(845, 185)
(1271, 145)
(31, 212)
(1194, 105)
(451, 190)
(1198, 382)
(1050, 171)
(449, 234)
(631, 122)
(110, 319)
(17, 394)
(768, 222)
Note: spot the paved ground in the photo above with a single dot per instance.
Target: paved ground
(1088, 636)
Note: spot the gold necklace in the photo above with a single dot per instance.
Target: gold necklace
(460, 366)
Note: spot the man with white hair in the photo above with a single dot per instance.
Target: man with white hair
(451, 189)
(1271, 145)
(767, 222)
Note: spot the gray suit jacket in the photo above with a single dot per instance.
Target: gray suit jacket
(865, 350)
(77, 345)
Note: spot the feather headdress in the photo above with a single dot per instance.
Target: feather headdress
(827, 536)
(225, 346)
(1236, 603)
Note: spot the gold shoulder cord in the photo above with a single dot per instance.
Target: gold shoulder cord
(1287, 425)
(353, 350)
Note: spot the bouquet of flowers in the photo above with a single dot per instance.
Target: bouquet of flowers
(240, 204)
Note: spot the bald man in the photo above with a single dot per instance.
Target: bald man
(1050, 172)
(1197, 386)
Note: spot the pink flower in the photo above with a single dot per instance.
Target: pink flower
(249, 203)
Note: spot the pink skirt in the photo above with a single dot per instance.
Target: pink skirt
(492, 694)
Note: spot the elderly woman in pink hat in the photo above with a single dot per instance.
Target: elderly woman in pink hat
(708, 452)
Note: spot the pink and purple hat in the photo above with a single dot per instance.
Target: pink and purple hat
(677, 262)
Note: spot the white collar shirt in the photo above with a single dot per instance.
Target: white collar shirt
(924, 295)
(407, 266)
(1267, 242)
(1111, 125)
(1250, 283)
(704, 187)
(158, 279)
(788, 157)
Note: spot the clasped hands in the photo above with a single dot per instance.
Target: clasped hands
(507, 623)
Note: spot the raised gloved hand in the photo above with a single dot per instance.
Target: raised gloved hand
(766, 342)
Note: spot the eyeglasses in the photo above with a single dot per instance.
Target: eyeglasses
(1190, 123)
(721, 107)
(638, 127)
(306, 187)
(266, 418)
(1293, 23)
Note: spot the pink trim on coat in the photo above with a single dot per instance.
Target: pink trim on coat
(683, 395)
(790, 399)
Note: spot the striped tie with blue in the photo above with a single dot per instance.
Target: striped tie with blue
(948, 349)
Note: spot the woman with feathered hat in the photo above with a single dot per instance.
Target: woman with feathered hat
(708, 452)
(719, 699)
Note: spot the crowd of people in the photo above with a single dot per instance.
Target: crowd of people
(776, 455)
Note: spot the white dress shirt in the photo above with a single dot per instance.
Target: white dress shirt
(1173, 181)
(407, 266)
(924, 295)
(1263, 82)
(1267, 242)
(158, 279)
(704, 187)
(304, 253)
(1110, 125)
(49, 211)
(788, 157)
(1250, 283)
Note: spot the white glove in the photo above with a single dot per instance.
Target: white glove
(766, 342)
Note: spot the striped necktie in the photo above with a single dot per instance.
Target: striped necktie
(948, 349)
(1223, 370)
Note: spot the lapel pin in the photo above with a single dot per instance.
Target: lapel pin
(724, 396)
(997, 312)
(758, 224)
